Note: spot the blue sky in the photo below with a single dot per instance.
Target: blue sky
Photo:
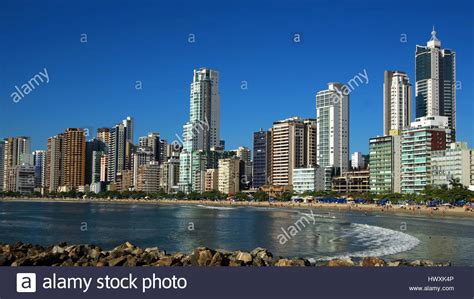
(92, 84)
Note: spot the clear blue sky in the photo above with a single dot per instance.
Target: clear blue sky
(92, 84)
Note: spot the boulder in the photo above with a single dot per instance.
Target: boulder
(371, 261)
(341, 263)
(422, 263)
(119, 261)
(202, 256)
(219, 259)
(245, 257)
(165, 261)
(283, 263)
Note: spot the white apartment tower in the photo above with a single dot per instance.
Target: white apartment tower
(397, 99)
(202, 131)
(332, 109)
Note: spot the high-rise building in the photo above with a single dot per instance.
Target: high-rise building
(287, 147)
(94, 149)
(22, 178)
(151, 143)
(426, 134)
(2, 163)
(15, 149)
(53, 173)
(202, 131)
(246, 175)
(332, 108)
(144, 155)
(451, 163)
(96, 170)
(311, 142)
(104, 135)
(149, 177)
(397, 99)
(39, 163)
(74, 158)
(385, 164)
(359, 161)
(261, 158)
(169, 175)
(436, 81)
(120, 148)
(212, 180)
(229, 175)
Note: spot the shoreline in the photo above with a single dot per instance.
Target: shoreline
(362, 208)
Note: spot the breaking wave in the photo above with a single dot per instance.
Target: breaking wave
(215, 208)
(379, 241)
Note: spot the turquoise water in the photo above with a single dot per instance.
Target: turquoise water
(320, 234)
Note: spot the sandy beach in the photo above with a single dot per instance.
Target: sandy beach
(363, 208)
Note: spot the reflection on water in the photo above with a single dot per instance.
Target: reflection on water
(184, 227)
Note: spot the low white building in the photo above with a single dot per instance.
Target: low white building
(452, 163)
(308, 179)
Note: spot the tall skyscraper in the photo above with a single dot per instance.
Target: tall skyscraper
(119, 148)
(15, 149)
(436, 81)
(2, 163)
(332, 109)
(397, 101)
(311, 142)
(291, 141)
(39, 163)
(53, 172)
(245, 156)
(261, 158)
(202, 131)
(74, 158)
(95, 148)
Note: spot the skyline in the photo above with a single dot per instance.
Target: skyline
(154, 111)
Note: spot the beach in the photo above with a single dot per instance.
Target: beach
(363, 208)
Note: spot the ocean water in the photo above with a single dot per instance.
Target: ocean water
(317, 234)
